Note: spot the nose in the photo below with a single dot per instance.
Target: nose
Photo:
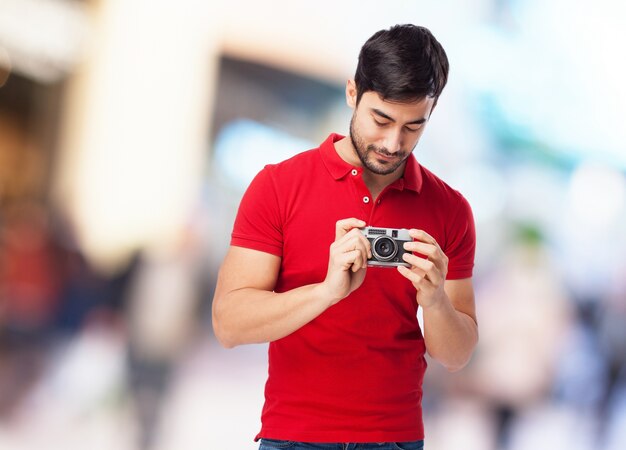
(393, 141)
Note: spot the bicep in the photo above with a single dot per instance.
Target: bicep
(246, 268)
(461, 295)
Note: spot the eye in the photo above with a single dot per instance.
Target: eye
(380, 124)
(412, 130)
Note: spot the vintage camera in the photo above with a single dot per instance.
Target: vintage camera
(387, 246)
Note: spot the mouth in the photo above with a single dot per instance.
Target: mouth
(386, 158)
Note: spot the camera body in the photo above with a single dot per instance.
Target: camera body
(387, 246)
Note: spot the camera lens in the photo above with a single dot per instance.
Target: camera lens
(384, 248)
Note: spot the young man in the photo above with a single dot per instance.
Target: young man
(346, 355)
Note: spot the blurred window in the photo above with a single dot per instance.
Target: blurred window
(264, 114)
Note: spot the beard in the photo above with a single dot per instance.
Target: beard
(367, 154)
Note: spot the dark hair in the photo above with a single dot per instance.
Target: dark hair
(403, 63)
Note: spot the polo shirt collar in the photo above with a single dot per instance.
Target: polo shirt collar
(338, 168)
(412, 178)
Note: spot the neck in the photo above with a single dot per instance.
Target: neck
(374, 182)
(377, 183)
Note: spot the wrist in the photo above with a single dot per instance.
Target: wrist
(436, 304)
(324, 294)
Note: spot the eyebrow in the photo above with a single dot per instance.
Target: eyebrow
(378, 112)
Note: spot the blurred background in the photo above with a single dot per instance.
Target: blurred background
(130, 128)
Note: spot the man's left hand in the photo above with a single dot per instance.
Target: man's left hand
(427, 274)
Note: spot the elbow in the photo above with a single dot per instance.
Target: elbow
(220, 330)
(461, 358)
(455, 366)
(455, 361)
(223, 338)
(226, 343)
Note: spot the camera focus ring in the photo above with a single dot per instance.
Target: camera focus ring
(384, 248)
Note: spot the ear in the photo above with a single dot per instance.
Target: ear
(351, 94)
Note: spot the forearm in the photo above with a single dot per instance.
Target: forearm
(450, 335)
(249, 315)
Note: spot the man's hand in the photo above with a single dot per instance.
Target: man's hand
(450, 327)
(427, 274)
(348, 259)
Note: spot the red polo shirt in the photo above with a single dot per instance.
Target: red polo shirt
(353, 374)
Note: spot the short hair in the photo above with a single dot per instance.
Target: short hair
(403, 63)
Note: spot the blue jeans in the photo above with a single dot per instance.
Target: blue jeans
(273, 444)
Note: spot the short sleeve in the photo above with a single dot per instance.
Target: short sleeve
(460, 247)
(257, 224)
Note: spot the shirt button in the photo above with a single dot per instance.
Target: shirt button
(366, 199)
(354, 172)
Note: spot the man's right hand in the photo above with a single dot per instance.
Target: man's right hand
(347, 263)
